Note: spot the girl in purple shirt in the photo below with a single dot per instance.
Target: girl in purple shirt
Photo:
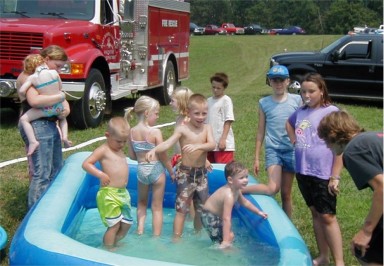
(317, 169)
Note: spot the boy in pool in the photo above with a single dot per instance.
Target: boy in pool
(217, 211)
(196, 139)
(113, 199)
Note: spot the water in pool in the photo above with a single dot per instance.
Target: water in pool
(192, 249)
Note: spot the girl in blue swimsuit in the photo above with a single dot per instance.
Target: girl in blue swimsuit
(143, 138)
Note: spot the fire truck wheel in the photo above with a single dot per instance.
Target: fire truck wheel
(163, 94)
(89, 111)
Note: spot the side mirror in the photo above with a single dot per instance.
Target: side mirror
(335, 56)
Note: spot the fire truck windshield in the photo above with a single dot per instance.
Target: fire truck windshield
(64, 9)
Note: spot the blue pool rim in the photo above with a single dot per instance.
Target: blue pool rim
(3, 238)
(43, 236)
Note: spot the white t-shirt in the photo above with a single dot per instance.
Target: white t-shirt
(219, 111)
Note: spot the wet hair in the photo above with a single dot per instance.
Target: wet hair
(233, 168)
(338, 127)
(31, 62)
(320, 82)
(221, 78)
(196, 99)
(54, 52)
(182, 94)
(142, 105)
(118, 126)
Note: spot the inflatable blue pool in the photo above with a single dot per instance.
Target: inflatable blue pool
(44, 236)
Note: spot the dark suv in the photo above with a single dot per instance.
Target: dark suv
(352, 66)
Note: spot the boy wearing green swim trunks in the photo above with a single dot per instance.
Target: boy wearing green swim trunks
(113, 199)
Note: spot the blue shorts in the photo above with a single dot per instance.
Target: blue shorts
(285, 158)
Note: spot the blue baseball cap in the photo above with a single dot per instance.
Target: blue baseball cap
(278, 71)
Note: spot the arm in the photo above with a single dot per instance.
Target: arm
(291, 132)
(247, 204)
(209, 145)
(163, 157)
(333, 185)
(37, 101)
(89, 166)
(259, 140)
(224, 135)
(164, 146)
(362, 238)
(24, 88)
(227, 221)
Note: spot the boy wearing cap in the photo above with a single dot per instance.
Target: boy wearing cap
(274, 111)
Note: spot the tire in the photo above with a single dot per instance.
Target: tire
(89, 110)
(163, 94)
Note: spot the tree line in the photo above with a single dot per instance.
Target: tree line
(315, 16)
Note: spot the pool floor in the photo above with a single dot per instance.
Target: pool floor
(193, 249)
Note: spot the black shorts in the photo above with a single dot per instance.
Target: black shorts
(375, 251)
(315, 193)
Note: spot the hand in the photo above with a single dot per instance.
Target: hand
(360, 242)
(104, 180)
(222, 144)
(333, 186)
(150, 156)
(256, 167)
(189, 148)
(263, 214)
(208, 166)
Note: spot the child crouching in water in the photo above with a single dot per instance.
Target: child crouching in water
(113, 199)
(216, 215)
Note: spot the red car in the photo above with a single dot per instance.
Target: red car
(214, 30)
(232, 29)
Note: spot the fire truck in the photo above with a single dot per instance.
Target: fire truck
(116, 48)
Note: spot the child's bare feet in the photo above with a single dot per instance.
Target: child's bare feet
(32, 146)
(67, 143)
(320, 261)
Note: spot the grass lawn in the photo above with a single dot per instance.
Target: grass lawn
(246, 60)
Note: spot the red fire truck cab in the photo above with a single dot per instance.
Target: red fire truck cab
(115, 47)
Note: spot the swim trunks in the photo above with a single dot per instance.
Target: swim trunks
(213, 224)
(149, 173)
(114, 205)
(192, 184)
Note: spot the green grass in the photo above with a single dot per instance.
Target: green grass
(245, 59)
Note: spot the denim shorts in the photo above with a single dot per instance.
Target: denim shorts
(285, 158)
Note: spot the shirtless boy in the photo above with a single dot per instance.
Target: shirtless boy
(217, 211)
(113, 199)
(196, 139)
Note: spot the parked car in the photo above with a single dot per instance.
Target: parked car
(195, 30)
(352, 66)
(232, 29)
(253, 29)
(214, 30)
(288, 31)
